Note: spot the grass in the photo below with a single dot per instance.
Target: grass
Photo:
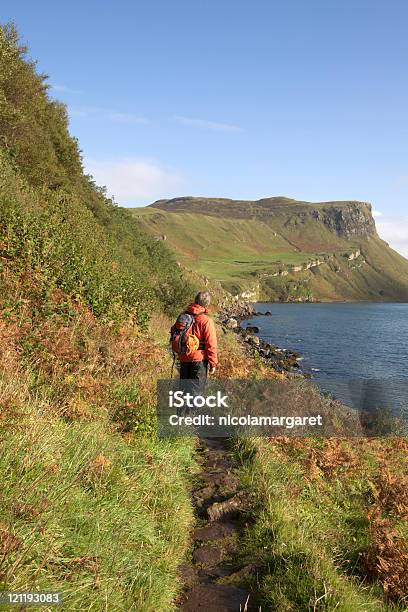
(243, 253)
(91, 503)
(81, 514)
(246, 266)
(223, 249)
(316, 537)
(327, 527)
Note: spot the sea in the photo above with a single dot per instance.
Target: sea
(357, 352)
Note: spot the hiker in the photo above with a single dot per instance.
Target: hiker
(195, 341)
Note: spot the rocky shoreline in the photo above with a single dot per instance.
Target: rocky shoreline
(281, 360)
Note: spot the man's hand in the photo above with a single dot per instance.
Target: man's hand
(211, 370)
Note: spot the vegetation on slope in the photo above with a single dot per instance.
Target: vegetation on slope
(327, 522)
(82, 242)
(282, 250)
(86, 506)
(330, 525)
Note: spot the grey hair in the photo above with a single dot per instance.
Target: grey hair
(203, 298)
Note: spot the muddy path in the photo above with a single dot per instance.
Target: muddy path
(216, 578)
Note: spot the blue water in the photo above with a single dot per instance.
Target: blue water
(358, 352)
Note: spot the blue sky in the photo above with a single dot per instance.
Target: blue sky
(235, 99)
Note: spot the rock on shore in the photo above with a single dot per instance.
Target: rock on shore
(281, 360)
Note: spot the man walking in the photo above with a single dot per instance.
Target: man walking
(203, 361)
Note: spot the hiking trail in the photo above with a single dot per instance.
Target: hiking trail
(214, 578)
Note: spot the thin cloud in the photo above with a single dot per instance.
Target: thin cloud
(135, 181)
(77, 113)
(207, 125)
(395, 231)
(64, 89)
(103, 114)
(126, 118)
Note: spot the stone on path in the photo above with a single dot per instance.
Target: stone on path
(215, 598)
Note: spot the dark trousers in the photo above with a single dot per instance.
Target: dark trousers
(196, 373)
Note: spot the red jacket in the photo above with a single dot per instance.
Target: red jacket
(204, 329)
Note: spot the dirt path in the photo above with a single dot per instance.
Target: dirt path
(215, 576)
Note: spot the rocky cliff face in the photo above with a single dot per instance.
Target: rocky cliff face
(348, 219)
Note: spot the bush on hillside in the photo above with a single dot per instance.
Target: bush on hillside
(54, 220)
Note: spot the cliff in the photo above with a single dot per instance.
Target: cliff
(345, 218)
(282, 249)
(350, 219)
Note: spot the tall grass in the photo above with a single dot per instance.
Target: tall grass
(85, 512)
(327, 522)
(92, 504)
(323, 536)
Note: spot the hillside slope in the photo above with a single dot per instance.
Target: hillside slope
(80, 463)
(282, 249)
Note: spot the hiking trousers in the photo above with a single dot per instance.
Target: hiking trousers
(196, 373)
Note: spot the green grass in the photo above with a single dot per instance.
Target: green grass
(308, 534)
(103, 520)
(242, 253)
(222, 249)
(247, 265)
